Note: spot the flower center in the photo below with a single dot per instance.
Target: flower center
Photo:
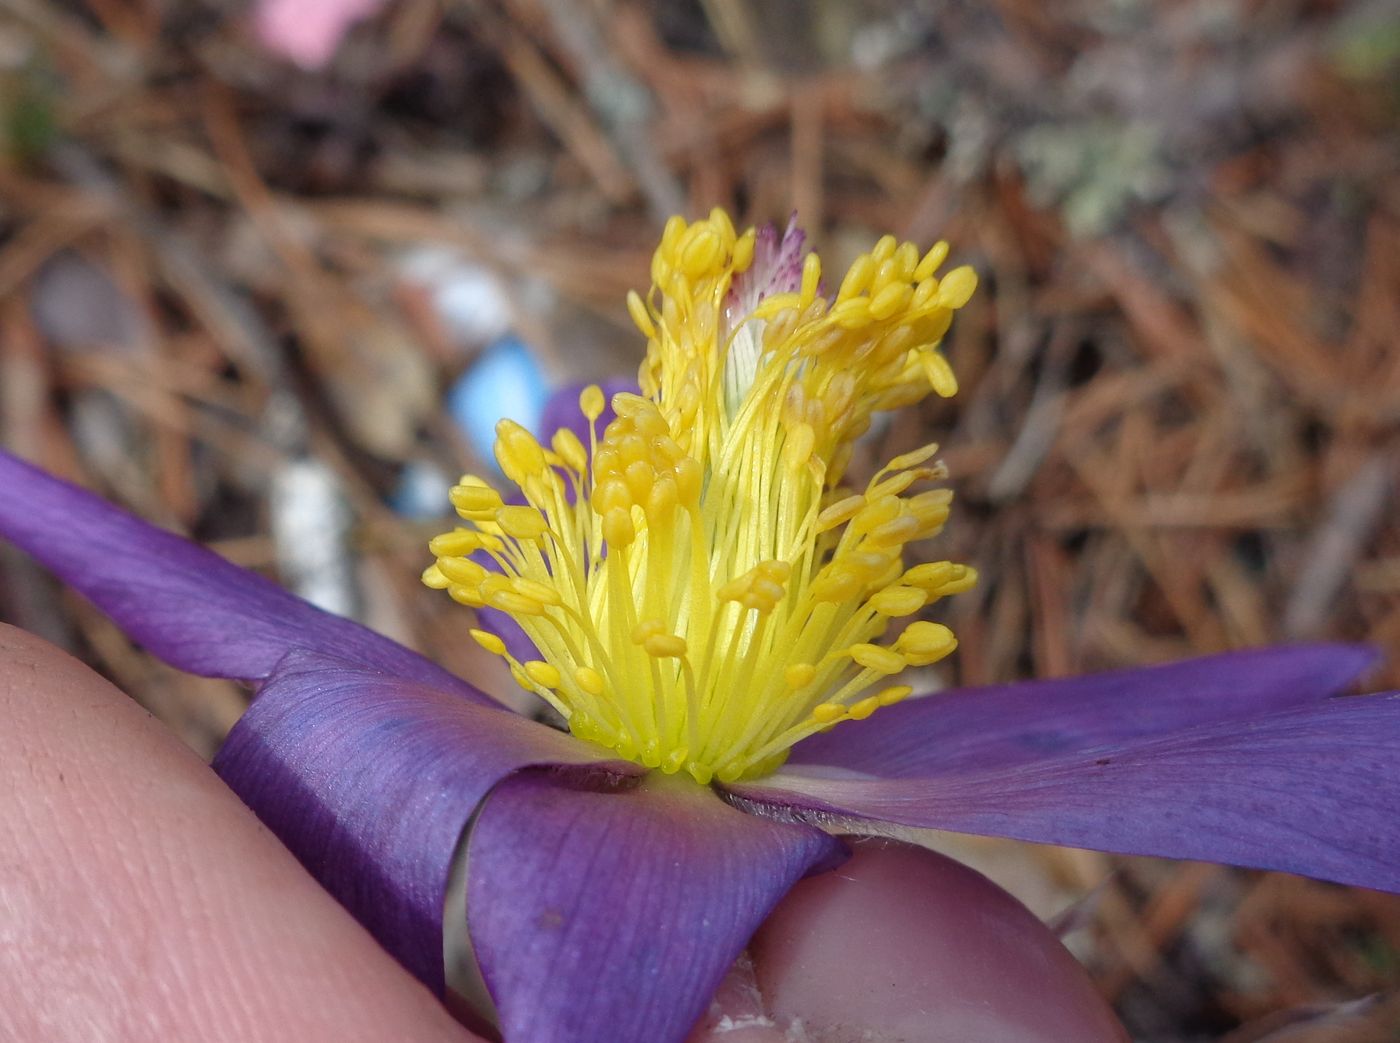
(702, 588)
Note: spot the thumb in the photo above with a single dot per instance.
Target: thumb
(904, 944)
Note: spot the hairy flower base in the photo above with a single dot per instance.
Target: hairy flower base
(701, 588)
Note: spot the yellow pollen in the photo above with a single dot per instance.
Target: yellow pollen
(702, 586)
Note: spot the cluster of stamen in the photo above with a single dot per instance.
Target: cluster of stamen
(702, 589)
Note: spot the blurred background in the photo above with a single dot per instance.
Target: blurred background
(269, 274)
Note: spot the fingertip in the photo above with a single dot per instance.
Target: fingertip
(903, 943)
(143, 900)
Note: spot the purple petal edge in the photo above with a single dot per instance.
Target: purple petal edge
(185, 604)
(370, 778)
(1032, 720)
(1311, 790)
(614, 916)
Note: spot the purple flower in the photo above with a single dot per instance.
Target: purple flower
(702, 600)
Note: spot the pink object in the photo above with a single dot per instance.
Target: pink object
(308, 31)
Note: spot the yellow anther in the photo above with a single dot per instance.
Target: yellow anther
(466, 594)
(923, 643)
(662, 499)
(461, 570)
(893, 298)
(840, 512)
(733, 590)
(488, 641)
(876, 513)
(523, 523)
(907, 257)
(811, 279)
(939, 374)
(957, 287)
(637, 308)
(434, 578)
(618, 529)
(827, 713)
(931, 575)
(769, 592)
(836, 585)
(885, 247)
(611, 495)
(770, 307)
(544, 593)
(743, 251)
(941, 578)
(519, 455)
(638, 475)
(454, 544)
(570, 450)
(475, 499)
(515, 604)
(778, 571)
(932, 261)
(607, 463)
(689, 476)
(875, 657)
(799, 675)
(931, 508)
(591, 402)
(670, 234)
(590, 680)
(863, 708)
(543, 674)
(797, 450)
(857, 278)
(665, 646)
(701, 253)
(896, 531)
(894, 694)
(913, 458)
(720, 222)
(893, 485)
(852, 314)
(898, 601)
(645, 629)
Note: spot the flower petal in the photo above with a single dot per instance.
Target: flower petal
(615, 915)
(1310, 790)
(1027, 722)
(184, 603)
(369, 779)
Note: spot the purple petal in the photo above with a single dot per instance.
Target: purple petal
(1027, 722)
(613, 916)
(1311, 789)
(369, 779)
(185, 604)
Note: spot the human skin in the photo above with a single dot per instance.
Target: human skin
(139, 899)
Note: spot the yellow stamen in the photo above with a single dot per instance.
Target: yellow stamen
(703, 589)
